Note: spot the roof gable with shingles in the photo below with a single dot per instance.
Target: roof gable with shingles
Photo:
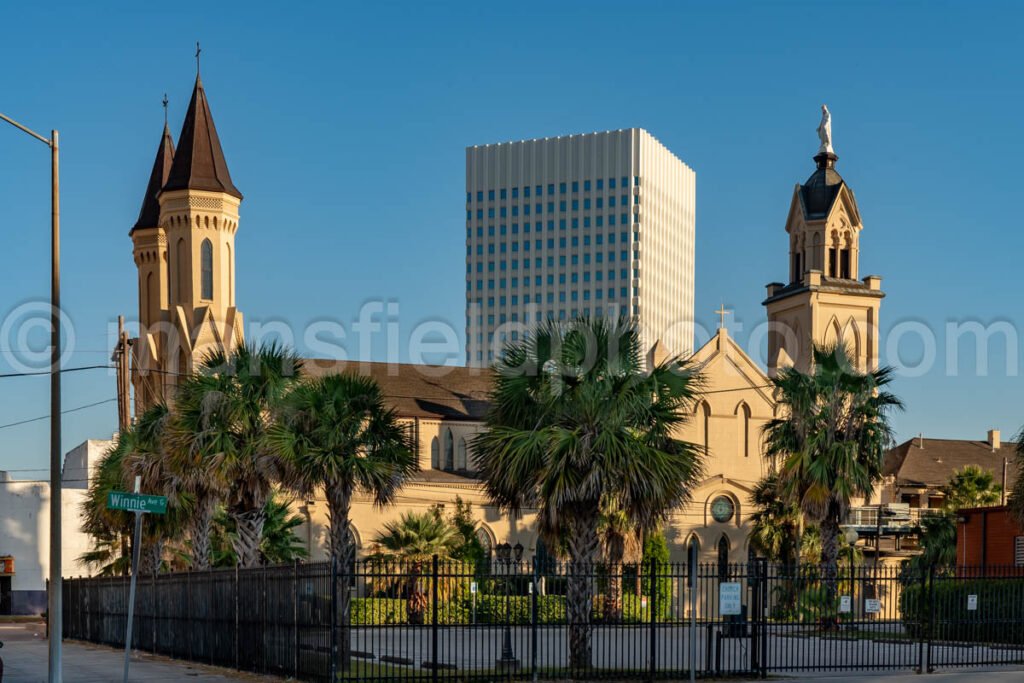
(420, 391)
(934, 465)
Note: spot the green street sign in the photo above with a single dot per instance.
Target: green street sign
(136, 502)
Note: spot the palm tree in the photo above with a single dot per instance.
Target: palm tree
(411, 542)
(620, 545)
(336, 432)
(110, 530)
(776, 522)
(218, 436)
(575, 424)
(279, 543)
(969, 487)
(828, 447)
(147, 458)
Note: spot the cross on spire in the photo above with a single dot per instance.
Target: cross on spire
(198, 50)
(722, 312)
(165, 108)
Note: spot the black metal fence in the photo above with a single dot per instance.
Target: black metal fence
(448, 621)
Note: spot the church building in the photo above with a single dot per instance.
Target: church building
(184, 248)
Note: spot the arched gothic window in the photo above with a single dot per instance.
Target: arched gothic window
(485, 543)
(206, 266)
(743, 412)
(723, 558)
(704, 414)
(449, 451)
(435, 454)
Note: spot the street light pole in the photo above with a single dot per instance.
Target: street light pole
(54, 607)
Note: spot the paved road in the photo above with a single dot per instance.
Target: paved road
(25, 655)
(628, 647)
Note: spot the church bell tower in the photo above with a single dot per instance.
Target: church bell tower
(823, 301)
(185, 252)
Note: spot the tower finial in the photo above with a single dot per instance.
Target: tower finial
(198, 50)
(826, 156)
(165, 109)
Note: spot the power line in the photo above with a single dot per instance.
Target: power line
(60, 370)
(63, 412)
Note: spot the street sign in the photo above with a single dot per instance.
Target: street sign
(872, 606)
(136, 502)
(729, 599)
(845, 604)
(972, 603)
(473, 587)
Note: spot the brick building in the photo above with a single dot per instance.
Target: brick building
(989, 537)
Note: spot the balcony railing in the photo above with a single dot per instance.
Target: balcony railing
(895, 517)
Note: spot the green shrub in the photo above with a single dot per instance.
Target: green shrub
(388, 611)
(515, 609)
(998, 619)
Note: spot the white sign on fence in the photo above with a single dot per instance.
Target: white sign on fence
(972, 603)
(872, 606)
(729, 599)
(473, 587)
(845, 604)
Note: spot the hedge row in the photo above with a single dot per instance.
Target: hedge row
(998, 619)
(490, 609)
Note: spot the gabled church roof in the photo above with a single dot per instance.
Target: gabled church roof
(199, 163)
(149, 215)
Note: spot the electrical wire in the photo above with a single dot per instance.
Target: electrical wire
(63, 412)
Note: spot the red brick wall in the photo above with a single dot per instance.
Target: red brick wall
(986, 538)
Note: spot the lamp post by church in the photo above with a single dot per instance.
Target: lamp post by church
(54, 614)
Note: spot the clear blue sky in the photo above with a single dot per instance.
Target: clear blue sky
(345, 128)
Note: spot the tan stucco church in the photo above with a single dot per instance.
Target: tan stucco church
(184, 250)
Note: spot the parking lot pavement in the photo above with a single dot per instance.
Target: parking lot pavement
(25, 657)
(942, 677)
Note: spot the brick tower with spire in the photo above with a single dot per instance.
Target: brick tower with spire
(185, 254)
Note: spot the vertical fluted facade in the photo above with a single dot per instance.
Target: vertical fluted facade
(600, 224)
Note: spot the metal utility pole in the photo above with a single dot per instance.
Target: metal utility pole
(54, 614)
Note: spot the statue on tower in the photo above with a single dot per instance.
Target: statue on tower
(825, 131)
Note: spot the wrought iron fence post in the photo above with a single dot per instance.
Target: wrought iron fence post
(433, 626)
(238, 635)
(534, 617)
(188, 611)
(762, 617)
(654, 616)
(334, 618)
(156, 610)
(295, 616)
(931, 618)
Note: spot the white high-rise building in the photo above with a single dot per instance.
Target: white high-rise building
(600, 224)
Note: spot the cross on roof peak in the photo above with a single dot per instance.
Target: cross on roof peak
(722, 312)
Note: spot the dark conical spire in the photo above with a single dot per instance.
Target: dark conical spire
(149, 215)
(199, 162)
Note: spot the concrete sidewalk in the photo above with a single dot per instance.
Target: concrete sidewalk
(939, 677)
(25, 654)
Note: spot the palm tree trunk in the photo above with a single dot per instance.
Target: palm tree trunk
(151, 557)
(339, 502)
(248, 533)
(200, 533)
(830, 563)
(583, 544)
(613, 599)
